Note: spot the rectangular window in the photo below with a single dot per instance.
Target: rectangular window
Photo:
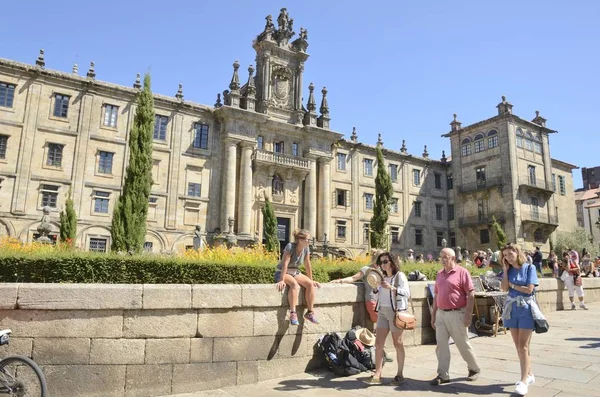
(535, 208)
(418, 206)
(493, 141)
(482, 209)
(450, 212)
(418, 237)
(395, 231)
(61, 105)
(465, 150)
(480, 176)
(105, 162)
(110, 115)
(341, 229)
(278, 147)
(537, 147)
(341, 197)
(484, 236)
(160, 127)
(561, 185)
(194, 189)
(49, 195)
(101, 202)
(394, 205)
(519, 141)
(366, 233)
(98, 244)
(450, 182)
(55, 152)
(416, 177)
(368, 201)
(294, 149)
(200, 136)
(341, 161)
(439, 215)
(3, 145)
(452, 239)
(528, 144)
(394, 172)
(479, 145)
(437, 179)
(259, 142)
(554, 182)
(439, 236)
(152, 200)
(7, 94)
(531, 173)
(368, 167)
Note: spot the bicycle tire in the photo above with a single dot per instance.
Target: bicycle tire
(26, 361)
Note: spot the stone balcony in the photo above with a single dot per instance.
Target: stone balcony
(480, 185)
(481, 219)
(265, 157)
(539, 217)
(536, 184)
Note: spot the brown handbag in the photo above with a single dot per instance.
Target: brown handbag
(405, 320)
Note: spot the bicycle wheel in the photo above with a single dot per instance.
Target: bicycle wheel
(20, 376)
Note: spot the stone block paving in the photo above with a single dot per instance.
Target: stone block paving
(566, 362)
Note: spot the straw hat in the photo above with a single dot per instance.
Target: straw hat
(365, 336)
(374, 277)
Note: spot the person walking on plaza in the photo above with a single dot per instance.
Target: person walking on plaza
(571, 276)
(393, 294)
(519, 279)
(537, 260)
(288, 273)
(451, 316)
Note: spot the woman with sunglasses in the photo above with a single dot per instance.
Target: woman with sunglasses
(393, 296)
(519, 279)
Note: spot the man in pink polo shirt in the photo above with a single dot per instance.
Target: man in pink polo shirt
(451, 315)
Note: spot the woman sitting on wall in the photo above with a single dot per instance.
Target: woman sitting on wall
(288, 273)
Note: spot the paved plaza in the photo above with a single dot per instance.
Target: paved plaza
(566, 362)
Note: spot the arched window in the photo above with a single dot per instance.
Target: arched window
(529, 141)
(479, 143)
(519, 138)
(492, 139)
(465, 147)
(259, 142)
(277, 184)
(537, 143)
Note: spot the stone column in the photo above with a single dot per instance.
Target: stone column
(310, 198)
(228, 196)
(245, 203)
(325, 191)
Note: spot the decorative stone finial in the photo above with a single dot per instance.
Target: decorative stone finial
(503, 99)
(379, 140)
(504, 107)
(444, 159)
(250, 89)
(92, 71)
(218, 104)
(539, 119)
(425, 153)
(40, 61)
(354, 136)
(138, 82)
(403, 149)
(324, 105)
(312, 105)
(537, 113)
(179, 94)
(75, 68)
(455, 124)
(235, 79)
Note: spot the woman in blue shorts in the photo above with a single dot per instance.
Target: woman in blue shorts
(519, 279)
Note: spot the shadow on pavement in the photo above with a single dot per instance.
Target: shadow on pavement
(594, 342)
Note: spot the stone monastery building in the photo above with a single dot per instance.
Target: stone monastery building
(215, 165)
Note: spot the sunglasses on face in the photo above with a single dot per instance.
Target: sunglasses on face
(385, 262)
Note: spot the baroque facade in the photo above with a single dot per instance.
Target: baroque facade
(214, 166)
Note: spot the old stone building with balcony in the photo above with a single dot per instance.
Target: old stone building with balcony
(214, 166)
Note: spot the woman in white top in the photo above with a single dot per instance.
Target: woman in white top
(393, 296)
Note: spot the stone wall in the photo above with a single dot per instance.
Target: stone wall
(153, 340)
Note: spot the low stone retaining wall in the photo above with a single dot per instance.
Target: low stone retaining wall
(153, 340)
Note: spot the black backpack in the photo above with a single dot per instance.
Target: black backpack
(337, 354)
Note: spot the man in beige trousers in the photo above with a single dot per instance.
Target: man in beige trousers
(451, 315)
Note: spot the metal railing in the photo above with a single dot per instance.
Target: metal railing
(539, 217)
(479, 219)
(537, 183)
(480, 184)
(280, 159)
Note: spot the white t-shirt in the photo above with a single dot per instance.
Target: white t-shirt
(384, 294)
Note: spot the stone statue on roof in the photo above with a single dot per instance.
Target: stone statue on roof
(282, 19)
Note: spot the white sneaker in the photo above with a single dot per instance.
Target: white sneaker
(530, 380)
(573, 307)
(521, 389)
(583, 306)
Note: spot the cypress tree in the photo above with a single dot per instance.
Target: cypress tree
(128, 227)
(270, 227)
(381, 207)
(68, 222)
(500, 235)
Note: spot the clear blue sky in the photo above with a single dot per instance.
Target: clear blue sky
(393, 67)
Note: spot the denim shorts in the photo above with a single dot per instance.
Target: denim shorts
(520, 317)
(293, 273)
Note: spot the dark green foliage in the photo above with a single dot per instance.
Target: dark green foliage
(128, 228)
(68, 222)
(381, 207)
(270, 227)
(501, 238)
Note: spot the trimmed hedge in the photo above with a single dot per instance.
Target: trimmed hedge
(148, 269)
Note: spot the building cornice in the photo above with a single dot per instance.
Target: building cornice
(500, 117)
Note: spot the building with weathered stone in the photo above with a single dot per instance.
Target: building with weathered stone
(214, 166)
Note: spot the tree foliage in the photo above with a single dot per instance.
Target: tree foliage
(381, 207)
(128, 229)
(68, 222)
(576, 240)
(270, 227)
(501, 238)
